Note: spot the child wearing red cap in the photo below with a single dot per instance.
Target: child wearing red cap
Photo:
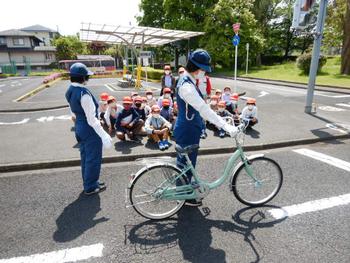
(222, 112)
(151, 100)
(166, 95)
(158, 128)
(112, 112)
(249, 114)
(166, 111)
(168, 81)
(138, 107)
(128, 121)
(102, 108)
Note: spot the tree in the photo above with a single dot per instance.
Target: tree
(219, 32)
(153, 14)
(68, 47)
(345, 63)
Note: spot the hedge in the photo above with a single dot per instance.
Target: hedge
(154, 74)
(304, 62)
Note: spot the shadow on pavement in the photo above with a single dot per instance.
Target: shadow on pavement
(192, 233)
(78, 217)
(126, 146)
(253, 133)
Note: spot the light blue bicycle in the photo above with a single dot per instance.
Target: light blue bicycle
(154, 191)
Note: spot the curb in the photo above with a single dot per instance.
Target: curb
(35, 109)
(36, 90)
(289, 84)
(128, 158)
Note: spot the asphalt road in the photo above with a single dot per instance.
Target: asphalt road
(43, 211)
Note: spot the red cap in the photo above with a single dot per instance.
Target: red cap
(138, 99)
(227, 88)
(104, 96)
(218, 91)
(166, 90)
(149, 92)
(222, 103)
(251, 101)
(166, 102)
(167, 67)
(111, 98)
(235, 96)
(214, 97)
(144, 99)
(127, 100)
(155, 108)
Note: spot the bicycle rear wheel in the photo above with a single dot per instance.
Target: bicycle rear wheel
(262, 187)
(145, 192)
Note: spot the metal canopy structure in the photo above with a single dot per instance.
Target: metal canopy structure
(132, 36)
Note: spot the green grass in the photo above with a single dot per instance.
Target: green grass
(289, 72)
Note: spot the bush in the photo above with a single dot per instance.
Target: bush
(304, 62)
(154, 74)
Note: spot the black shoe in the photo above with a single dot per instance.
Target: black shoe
(97, 190)
(193, 202)
(102, 184)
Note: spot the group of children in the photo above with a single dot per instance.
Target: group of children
(138, 115)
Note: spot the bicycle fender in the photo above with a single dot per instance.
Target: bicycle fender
(133, 177)
(241, 163)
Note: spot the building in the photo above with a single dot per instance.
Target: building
(28, 46)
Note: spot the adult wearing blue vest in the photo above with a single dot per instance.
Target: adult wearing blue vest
(88, 130)
(192, 108)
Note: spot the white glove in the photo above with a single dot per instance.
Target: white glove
(107, 141)
(230, 129)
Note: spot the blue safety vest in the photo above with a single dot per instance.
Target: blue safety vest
(189, 123)
(73, 95)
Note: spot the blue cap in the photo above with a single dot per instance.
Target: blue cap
(79, 70)
(201, 59)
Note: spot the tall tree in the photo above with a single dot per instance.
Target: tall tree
(219, 32)
(68, 47)
(153, 14)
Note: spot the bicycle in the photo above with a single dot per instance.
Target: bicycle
(155, 192)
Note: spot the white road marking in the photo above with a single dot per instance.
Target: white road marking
(311, 206)
(109, 87)
(263, 93)
(324, 158)
(2, 85)
(15, 123)
(336, 127)
(343, 105)
(51, 118)
(334, 96)
(60, 256)
(330, 108)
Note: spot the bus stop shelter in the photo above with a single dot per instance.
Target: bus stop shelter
(133, 37)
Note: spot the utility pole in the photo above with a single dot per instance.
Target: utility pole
(315, 55)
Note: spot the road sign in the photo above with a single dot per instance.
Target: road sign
(235, 40)
(145, 54)
(236, 27)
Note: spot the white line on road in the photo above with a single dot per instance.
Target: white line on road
(2, 85)
(334, 96)
(263, 93)
(324, 158)
(109, 87)
(311, 206)
(343, 105)
(60, 256)
(15, 123)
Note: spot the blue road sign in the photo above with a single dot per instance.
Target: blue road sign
(235, 40)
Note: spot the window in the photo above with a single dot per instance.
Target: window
(48, 56)
(18, 41)
(2, 40)
(51, 34)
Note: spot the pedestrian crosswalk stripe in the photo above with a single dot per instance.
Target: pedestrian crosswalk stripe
(324, 158)
(60, 256)
(311, 206)
(343, 105)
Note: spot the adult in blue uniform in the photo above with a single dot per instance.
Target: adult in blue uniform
(88, 129)
(192, 108)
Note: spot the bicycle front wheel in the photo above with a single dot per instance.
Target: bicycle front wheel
(262, 186)
(145, 192)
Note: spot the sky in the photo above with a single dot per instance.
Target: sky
(67, 15)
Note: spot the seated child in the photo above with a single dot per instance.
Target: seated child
(218, 93)
(158, 128)
(134, 94)
(249, 114)
(128, 121)
(222, 112)
(103, 106)
(214, 100)
(112, 112)
(166, 95)
(151, 100)
(145, 106)
(138, 107)
(227, 94)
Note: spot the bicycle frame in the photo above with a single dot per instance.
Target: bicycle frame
(187, 191)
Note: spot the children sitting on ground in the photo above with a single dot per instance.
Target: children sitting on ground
(166, 95)
(158, 128)
(138, 107)
(103, 106)
(222, 112)
(112, 113)
(249, 114)
(166, 111)
(128, 121)
(151, 100)
(145, 106)
(214, 100)
(226, 96)
(218, 93)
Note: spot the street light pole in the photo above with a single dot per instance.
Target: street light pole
(315, 55)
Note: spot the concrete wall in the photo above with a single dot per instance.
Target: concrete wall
(35, 57)
(4, 58)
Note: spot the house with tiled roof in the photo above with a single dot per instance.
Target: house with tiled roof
(30, 45)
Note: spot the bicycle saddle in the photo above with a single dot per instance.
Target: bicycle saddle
(187, 149)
